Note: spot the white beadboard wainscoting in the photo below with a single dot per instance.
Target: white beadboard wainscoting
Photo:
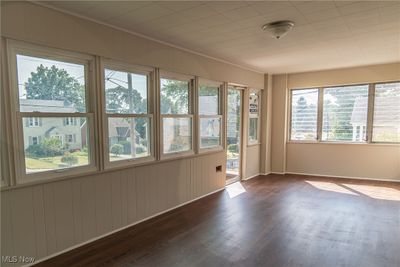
(42, 220)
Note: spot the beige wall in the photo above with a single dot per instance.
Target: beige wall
(374, 161)
(40, 220)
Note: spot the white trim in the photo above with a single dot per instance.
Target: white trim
(121, 228)
(344, 177)
(251, 177)
(147, 37)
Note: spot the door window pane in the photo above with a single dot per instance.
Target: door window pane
(177, 134)
(128, 138)
(386, 121)
(174, 96)
(253, 129)
(46, 85)
(304, 114)
(126, 92)
(210, 132)
(345, 108)
(54, 145)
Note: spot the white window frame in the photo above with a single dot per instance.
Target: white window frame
(220, 86)
(370, 114)
(191, 81)
(124, 67)
(258, 92)
(20, 48)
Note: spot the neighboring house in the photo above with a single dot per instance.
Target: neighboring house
(384, 117)
(36, 129)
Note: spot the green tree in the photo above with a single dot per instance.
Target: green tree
(55, 84)
(174, 97)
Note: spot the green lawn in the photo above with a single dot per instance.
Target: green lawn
(53, 162)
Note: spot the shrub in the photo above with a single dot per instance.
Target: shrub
(49, 147)
(233, 148)
(140, 149)
(69, 159)
(116, 149)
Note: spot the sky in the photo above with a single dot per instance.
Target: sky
(26, 65)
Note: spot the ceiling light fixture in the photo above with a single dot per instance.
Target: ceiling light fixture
(277, 29)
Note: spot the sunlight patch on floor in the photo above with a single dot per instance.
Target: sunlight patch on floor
(235, 189)
(377, 192)
(327, 186)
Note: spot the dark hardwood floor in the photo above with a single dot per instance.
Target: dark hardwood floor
(278, 221)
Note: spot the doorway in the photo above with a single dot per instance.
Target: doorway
(233, 135)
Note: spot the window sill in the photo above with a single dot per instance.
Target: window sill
(343, 143)
(253, 144)
(203, 151)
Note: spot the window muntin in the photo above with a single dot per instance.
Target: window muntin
(304, 114)
(210, 118)
(254, 114)
(47, 85)
(128, 114)
(50, 85)
(174, 96)
(177, 135)
(344, 109)
(386, 117)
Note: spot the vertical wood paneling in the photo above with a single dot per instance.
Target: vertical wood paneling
(124, 198)
(77, 209)
(116, 201)
(39, 221)
(7, 241)
(64, 214)
(88, 207)
(132, 196)
(49, 218)
(103, 204)
(23, 223)
(42, 220)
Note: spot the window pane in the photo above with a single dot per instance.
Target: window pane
(386, 122)
(210, 132)
(125, 145)
(304, 114)
(208, 100)
(50, 86)
(125, 92)
(177, 134)
(55, 145)
(174, 97)
(344, 113)
(253, 131)
(253, 104)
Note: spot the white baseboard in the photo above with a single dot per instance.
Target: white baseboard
(345, 177)
(119, 229)
(254, 176)
(251, 177)
(279, 173)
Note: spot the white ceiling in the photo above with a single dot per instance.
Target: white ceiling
(328, 34)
